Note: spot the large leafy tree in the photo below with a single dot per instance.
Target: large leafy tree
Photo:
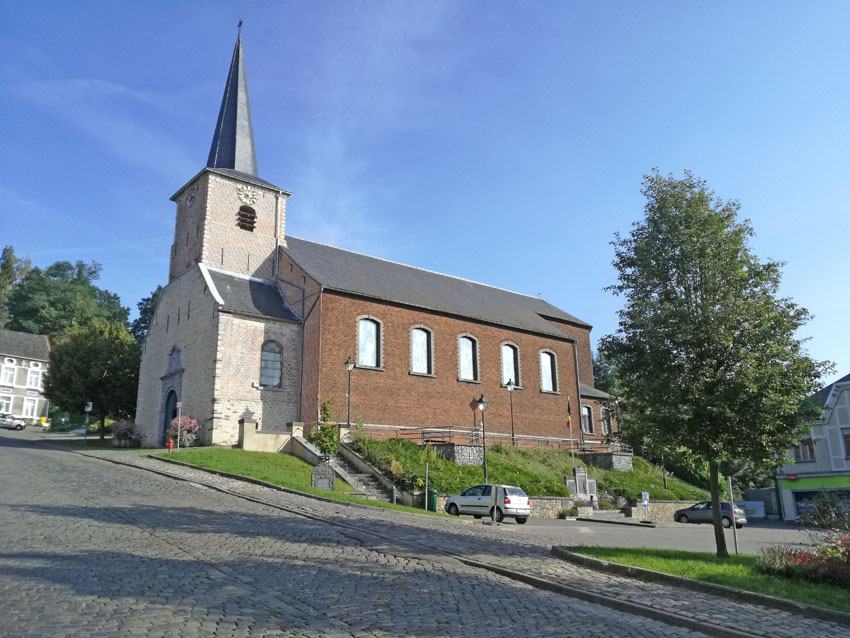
(706, 352)
(97, 362)
(147, 306)
(49, 301)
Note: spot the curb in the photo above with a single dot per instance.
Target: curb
(649, 524)
(810, 611)
(289, 490)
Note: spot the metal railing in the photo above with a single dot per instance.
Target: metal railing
(471, 436)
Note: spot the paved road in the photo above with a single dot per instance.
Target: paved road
(89, 548)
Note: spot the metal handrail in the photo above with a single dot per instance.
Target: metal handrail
(463, 435)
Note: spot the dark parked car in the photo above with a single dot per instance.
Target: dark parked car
(11, 422)
(702, 513)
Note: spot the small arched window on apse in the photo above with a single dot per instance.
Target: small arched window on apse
(271, 365)
(510, 364)
(421, 358)
(246, 218)
(369, 343)
(548, 372)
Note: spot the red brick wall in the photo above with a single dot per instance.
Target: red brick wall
(395, 397)
(303, 294)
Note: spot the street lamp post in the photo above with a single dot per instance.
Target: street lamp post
(482, 405)
(510, 386)
(349, 365)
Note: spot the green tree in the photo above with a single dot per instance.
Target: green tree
(97, 362)
(49, 301)
(147, 306)
(12, 270)
(705, 351)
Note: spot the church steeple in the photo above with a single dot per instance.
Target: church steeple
(233, 141)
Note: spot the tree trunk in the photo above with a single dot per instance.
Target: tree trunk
(102, 428)
(719, 536)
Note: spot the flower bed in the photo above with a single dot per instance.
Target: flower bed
(828, 561)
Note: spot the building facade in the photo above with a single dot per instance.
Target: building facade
(25, 360)
(258, 326)
(822, 460)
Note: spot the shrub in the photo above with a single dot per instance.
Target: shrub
(827, 513)
(326, 438)
(124, 434)
(396, 468)
(187, 430)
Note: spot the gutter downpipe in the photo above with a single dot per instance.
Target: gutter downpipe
(277, 234)
(578, 391)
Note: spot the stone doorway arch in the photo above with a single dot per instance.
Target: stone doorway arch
(169, 412)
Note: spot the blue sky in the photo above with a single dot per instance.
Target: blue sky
(501, 142)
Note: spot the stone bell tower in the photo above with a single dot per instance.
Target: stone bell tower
(229, 218)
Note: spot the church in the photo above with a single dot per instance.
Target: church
(259, 327)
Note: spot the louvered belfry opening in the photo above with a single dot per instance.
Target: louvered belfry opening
(246, 218)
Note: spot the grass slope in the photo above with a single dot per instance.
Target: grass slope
(275, 468)
(740, 571)
(539, 471)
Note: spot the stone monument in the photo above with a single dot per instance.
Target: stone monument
(323, 477)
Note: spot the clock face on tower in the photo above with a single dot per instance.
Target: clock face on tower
(247, 195)
(190, 196)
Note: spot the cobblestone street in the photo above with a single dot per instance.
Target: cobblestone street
(91, 548)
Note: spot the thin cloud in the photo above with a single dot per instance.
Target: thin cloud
(115, 116)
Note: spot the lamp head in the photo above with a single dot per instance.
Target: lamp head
(349, 365)
(510, 386)
(482, 403)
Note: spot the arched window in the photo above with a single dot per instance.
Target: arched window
(548, 372)
(510, 364)
(246, 218)
(587, 419)
(271, 365)
(467, 355)
(368, 343)
(607, 428)
(420, 351)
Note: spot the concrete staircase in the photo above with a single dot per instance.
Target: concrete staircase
(367, 483)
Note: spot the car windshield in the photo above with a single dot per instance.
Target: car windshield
(514, 491)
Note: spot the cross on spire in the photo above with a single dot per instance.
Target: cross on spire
(239, 26)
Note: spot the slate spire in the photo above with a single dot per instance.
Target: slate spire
(233, 141)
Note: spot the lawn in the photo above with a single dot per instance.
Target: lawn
(279, 469)
(740, 571)
(539, 471)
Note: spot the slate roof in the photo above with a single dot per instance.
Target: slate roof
(249, 295)
(593, 393)
(822, 395)
(233, 141)
(24, 345)
(350, 272)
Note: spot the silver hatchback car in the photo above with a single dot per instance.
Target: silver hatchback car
(478, 501)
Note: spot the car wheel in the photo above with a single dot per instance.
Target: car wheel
(684, 519)
(499, 516)
(453, 510)
(476, 516)
(726, 522)
(739, 525)
(19, 427)
(521, 520)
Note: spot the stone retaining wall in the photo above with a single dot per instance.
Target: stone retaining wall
(659, 511)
